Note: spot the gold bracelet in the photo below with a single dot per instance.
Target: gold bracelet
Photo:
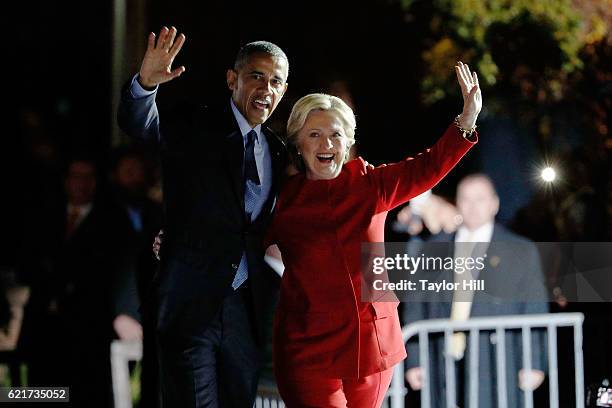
(465, 132)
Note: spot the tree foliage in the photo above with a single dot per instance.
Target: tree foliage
(531, 46)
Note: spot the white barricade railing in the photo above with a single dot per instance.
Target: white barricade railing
(267, 397)
(498, 324)
(122, 352)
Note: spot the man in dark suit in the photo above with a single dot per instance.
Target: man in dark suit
(514, 285)
(221, 171)
(67, 326)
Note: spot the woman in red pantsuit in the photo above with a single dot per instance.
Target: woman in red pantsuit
(331, 349)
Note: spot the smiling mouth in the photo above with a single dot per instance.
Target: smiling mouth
(262, 103)
(325, 158)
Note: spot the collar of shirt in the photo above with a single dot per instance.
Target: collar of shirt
(244, 125)
(481, 234)
(84, 210)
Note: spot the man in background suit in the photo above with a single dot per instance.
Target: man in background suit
(518, 279)
(67, 329)
(221, 171)
(138, 220)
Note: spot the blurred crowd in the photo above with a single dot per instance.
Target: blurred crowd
(79, 264)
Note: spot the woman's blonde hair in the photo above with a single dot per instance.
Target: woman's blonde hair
(323, 102)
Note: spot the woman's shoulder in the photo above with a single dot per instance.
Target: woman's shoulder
(357, 165)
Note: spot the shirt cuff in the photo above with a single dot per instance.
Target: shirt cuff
(137, 91)
(275, 264)
(418, 202)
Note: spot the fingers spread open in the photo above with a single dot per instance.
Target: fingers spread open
(151, 41)
(461, 78)
(170, 39)
(176, 47)
(465, 77)
(177, 71)
(467, 74)
(163, 35)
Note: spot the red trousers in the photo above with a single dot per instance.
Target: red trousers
(312, 391)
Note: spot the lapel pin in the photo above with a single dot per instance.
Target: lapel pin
(494, 261)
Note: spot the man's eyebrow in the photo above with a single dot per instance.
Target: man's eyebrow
(261, 73)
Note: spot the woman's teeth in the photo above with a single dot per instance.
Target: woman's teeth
(326, 157)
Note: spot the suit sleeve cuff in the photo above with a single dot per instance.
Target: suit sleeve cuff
(137, 91)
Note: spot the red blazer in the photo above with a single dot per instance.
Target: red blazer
(321, 323)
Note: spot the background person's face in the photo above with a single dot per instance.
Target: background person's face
(477, 203)
(81, 183)
(322, 143)
(130, 174)
(258, 87)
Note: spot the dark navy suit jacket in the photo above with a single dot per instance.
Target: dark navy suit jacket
(206, 230)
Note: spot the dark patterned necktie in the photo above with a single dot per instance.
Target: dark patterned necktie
(252, 192)
(250, 167)
(71, 223)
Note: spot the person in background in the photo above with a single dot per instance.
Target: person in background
(67, 327)
(477, 204)
(137, 221)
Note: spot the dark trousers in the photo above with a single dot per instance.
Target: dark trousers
(212, 366)
(150, 395)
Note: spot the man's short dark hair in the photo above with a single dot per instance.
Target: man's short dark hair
(258, 47)
(79, 158)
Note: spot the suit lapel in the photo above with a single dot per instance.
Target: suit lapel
(234, 154)
(489, 276)
(275, 147)
(233, 150)
(450, 275)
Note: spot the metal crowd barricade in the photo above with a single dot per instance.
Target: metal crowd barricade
(122, 352)
(267, 397)
(498, 324)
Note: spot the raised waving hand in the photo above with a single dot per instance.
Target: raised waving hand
(472, 97)
(156, 65)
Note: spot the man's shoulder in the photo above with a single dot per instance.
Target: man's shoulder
(203, 111)
(441, 237)
(192, 118)
(501, 233)
(271, 135)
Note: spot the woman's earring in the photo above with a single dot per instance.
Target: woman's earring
(299, 154)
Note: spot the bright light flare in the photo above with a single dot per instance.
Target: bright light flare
(548, 174)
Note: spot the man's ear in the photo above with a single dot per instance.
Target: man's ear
(496, 206)
(285, 89)
(232, 78)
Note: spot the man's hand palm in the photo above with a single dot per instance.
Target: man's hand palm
(156, 65)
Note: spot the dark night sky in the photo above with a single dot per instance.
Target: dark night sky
(369, 45)
(65, 51)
